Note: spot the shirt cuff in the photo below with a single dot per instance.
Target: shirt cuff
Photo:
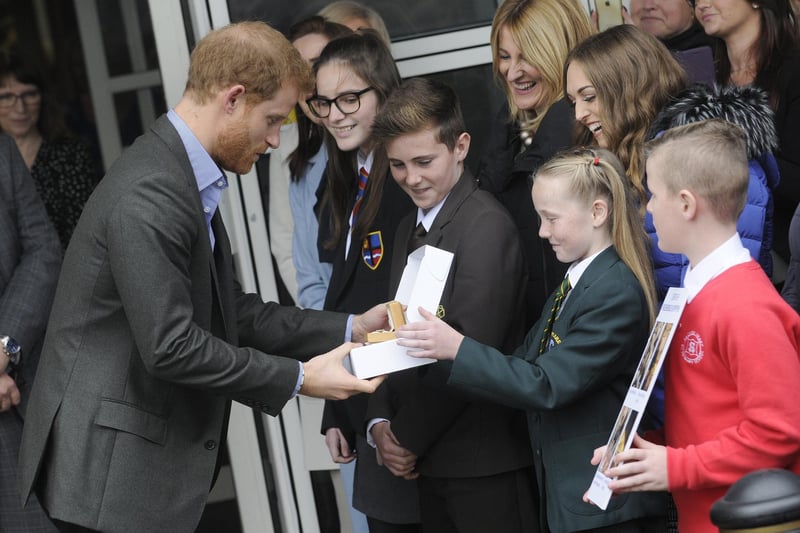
(300, 377)
(371, 423)
(348, 331)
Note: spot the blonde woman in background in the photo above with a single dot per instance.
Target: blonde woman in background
(356, 17)
(530, 41)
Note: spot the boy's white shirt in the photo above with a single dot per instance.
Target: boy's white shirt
(725, 256)
(428, 218)
(427, 221)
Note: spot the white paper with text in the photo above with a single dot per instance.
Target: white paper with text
(644, 380)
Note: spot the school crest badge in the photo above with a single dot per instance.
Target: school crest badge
(372, 250)
(692, 348)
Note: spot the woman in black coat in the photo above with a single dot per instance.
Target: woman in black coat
(530, 41)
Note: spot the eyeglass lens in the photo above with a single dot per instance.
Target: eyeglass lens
(347, 103)
(28, 98)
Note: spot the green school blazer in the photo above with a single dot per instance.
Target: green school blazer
(573, 392)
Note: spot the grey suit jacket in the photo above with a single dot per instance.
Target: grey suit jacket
(29, 262)
(30, 256)
(141, 357)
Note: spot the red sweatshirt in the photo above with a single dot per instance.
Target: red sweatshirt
(731, 398)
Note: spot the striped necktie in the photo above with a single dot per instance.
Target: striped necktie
(363, 176)
(561, 293)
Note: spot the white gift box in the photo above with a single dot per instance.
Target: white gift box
(421, 285)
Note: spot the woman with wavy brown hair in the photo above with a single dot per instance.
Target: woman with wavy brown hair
(617, 82)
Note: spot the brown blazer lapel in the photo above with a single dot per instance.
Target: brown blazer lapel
(460, 192)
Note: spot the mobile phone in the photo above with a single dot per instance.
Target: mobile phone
(609, 13)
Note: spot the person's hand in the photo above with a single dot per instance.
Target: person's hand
(593, 16)
(3, 361)
(326, 376)
(372, 320)
(9, 393)
(626, 17)
(338, 446)
(391, 454)
(643, 467)
(597, 456)
(429, 338)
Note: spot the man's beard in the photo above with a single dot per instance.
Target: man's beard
(234, 149)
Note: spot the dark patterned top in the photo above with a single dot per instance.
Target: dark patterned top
(65, 177)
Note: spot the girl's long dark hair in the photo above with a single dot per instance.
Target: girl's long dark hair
(366, 55)
(778, 38)
(309, 134)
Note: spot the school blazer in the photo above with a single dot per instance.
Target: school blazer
(141, 357)
(356, 286)
(574, 391)
(454, 435)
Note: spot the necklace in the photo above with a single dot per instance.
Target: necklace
(526, 137)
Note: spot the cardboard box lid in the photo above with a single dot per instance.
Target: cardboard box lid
(421, 285)
(423, 280)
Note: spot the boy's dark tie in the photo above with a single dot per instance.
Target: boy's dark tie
(561, 293)
(417, 238)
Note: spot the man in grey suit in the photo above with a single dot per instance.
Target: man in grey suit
(150, 336)
(30, 257)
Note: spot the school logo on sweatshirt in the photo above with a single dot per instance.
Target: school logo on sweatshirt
(372, 249)
(692, 348)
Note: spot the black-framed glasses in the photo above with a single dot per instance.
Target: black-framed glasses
(347, 103)
(29, 98)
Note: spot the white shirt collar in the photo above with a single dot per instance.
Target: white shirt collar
(576, 270)
(428, 218)
(365, 162)
(727, 255)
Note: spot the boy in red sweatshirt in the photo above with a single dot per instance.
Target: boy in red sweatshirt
(732, 372)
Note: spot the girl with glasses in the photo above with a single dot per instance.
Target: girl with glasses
(361, 209)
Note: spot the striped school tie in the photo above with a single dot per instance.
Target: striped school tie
(363, 176)
(561, 293)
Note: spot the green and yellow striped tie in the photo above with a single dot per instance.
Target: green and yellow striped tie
(561, 293)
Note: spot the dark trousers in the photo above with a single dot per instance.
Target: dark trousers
(504, 502)
(379, 526)
(641, 525)
(66, 527)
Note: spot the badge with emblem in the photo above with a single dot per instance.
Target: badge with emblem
(372, 250)
(692, 348)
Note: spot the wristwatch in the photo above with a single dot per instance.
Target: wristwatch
(12, 350)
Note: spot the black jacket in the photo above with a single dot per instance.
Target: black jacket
(506, 172)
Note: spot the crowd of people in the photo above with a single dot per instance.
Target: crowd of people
(657, 153)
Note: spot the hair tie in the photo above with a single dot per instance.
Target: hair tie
(596, 161)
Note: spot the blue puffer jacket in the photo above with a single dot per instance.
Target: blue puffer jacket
(746, 107)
